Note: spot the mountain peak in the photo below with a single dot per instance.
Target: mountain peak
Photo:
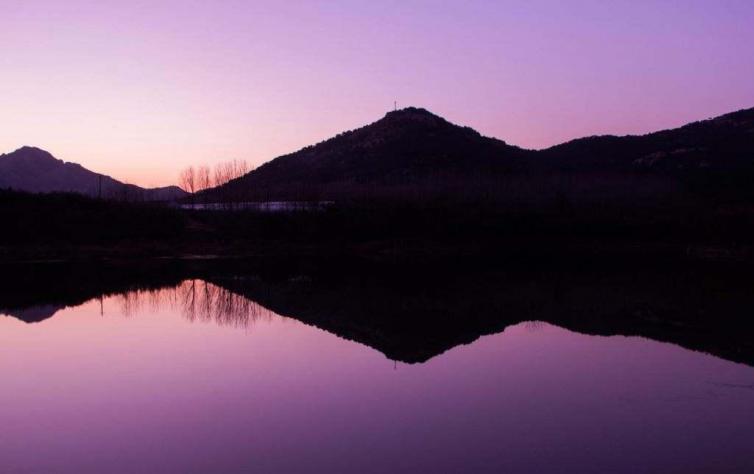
(413, 114)
(409, 147)
(32, 153)
(35, 170)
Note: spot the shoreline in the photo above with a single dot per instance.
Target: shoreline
(378, 251)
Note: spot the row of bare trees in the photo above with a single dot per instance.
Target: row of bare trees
(200, 178)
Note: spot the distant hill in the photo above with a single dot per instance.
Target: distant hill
(33, 314)
(35, 170)
(414, 151)
(718, 144)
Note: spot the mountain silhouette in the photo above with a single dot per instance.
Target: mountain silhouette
(35, 170)
(415, 149)
(406, 147)
(33, 314)
(722, 143)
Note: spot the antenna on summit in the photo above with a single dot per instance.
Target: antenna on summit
(395, 106)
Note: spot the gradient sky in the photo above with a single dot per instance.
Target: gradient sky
(138, 89)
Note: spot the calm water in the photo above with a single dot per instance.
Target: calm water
(199, 379)
(262, 206)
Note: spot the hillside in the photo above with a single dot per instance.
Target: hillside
(33, 170)
(414, 152)
(721, 143)
(405, 149)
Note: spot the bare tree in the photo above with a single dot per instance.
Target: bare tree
(203, 178)
(187, 181)
(218, 178)
(226, 172)
(229, 170)
(240, 168)
(204, 181)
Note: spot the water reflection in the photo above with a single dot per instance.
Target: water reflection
(107, 370)
(412, 315)
(197, 300)
(154, 392)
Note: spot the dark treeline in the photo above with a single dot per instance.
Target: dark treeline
(68, 218)
(396, 226)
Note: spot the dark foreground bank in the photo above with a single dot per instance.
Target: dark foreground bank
(69, 226)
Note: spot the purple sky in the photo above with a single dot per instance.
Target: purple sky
(139, 89)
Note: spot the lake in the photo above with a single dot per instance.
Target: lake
(261, 206)
(233, 372)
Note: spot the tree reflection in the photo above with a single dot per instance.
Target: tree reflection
(197, 300)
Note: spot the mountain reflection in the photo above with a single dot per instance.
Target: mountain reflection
(411, 313)
(196, 300)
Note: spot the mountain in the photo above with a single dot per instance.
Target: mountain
(722, 143)
(405, 148)
(35, 170)
(33, 314)
(414, 151)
